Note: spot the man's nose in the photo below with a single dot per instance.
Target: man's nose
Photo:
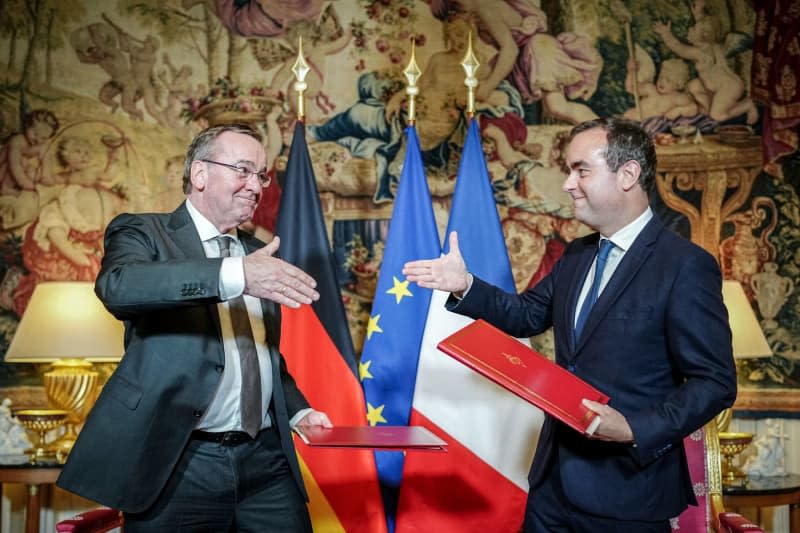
(253, 182)
(569, 183)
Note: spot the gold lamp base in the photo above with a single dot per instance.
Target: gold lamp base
(71, 385)
(40, 421)
(731, 445)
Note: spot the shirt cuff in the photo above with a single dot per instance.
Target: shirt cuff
(231, 278)
(299, 416)
(469, 286)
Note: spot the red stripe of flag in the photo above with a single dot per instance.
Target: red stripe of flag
(347, 477)
(465, 501)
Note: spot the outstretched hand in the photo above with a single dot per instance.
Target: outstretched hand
(274, 279)
(446, 273)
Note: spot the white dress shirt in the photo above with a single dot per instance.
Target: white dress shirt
(622, 241)
(224, 413)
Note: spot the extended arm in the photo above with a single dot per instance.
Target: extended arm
(136, 277)
(684, 50)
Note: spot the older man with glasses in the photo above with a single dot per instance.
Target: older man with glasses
(193, 430)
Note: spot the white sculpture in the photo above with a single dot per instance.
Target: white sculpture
(13, 437)
(769, 459)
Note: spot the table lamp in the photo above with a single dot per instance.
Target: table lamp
(748, 343)
(65, 324)
(748, 338)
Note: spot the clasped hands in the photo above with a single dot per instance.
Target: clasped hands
(272, 278)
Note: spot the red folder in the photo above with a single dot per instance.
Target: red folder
(525, 372)
(372, 437)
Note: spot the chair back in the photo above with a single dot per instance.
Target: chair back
(703, 458)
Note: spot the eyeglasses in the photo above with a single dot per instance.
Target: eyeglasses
(244, 173)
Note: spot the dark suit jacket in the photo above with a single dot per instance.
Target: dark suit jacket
(657, 342)
(156, 278)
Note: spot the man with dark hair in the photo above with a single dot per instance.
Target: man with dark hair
(192, 432)
(637, 312)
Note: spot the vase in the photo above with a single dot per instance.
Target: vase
(771, 290)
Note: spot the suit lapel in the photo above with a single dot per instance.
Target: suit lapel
(576, 274)
(626, 271)
(184, 234)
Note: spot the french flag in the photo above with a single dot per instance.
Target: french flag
(480, 484)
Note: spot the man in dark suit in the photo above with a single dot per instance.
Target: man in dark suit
(654, 337)
(192, 431)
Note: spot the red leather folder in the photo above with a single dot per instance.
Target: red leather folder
(372, 437)
(525, 372)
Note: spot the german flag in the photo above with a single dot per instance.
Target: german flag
(316, 343)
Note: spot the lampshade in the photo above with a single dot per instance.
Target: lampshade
(748, 338)
(66, 320)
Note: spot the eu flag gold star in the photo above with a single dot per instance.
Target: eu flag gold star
(375, 414)
(373, 326)
(363, 370)
(399, 289)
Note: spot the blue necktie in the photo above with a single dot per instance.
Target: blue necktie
(591, 298)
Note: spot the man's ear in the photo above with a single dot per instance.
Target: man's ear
(628, 174)
(199, 175)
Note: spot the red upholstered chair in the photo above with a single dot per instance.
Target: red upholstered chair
(94, 521)
(702, 452)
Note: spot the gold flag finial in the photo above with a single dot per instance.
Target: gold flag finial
(470, 65)
(412, 73)
(300, 69)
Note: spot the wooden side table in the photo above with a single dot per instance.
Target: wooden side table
(34, 477)
(767, 492)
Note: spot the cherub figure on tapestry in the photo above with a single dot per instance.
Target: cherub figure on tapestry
(98, 44)
(718, 90)
(558, 70)
(65, 240)
(128, 60)
(665, 96)
(23, 186)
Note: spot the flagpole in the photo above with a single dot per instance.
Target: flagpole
(412, 74)
(470, 65)
(300, 69)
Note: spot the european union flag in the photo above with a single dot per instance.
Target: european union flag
(388, 365)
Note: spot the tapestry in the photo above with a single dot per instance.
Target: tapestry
(98, 101)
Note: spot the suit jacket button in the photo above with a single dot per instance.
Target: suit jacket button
(571, 368)
(197, 413)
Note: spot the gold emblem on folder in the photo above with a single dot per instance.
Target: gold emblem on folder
(514, 360)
